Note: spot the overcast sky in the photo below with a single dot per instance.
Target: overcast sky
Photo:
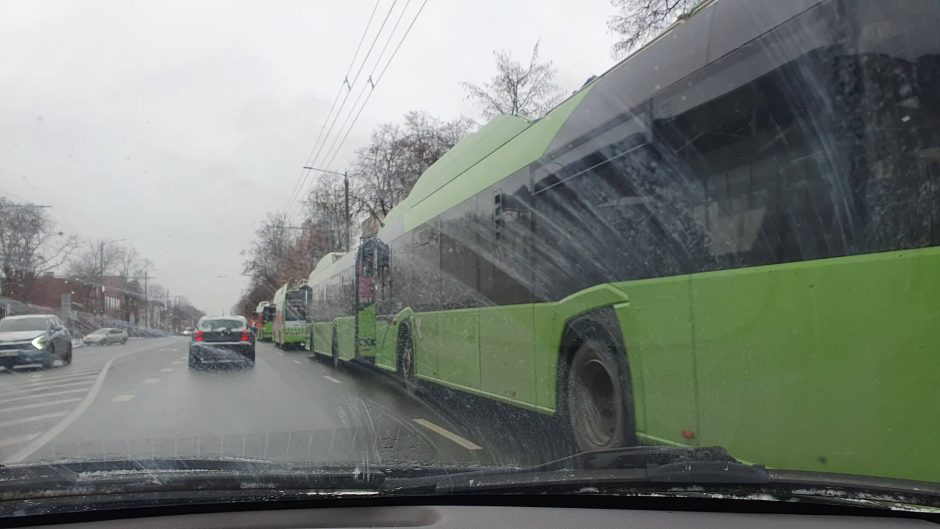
(179, 125)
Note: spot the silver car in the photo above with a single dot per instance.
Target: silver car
(34, 339)
(106, 336)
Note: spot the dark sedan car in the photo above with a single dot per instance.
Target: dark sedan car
(222, 340)
(34, 339)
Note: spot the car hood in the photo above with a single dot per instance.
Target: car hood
(19, 336)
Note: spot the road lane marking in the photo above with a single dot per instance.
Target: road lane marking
(57, 376)
(33, 418)
(39, 405)
(123, 398)
(166, 370)
(298, 362)
(44, 388)
(469, 445)
(177, 362)
(333, 380)
(151, 380)
(19, 439)
(45, 395)
(48, 381)
(51, 433)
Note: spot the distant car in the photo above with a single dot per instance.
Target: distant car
(34, 339)
(222, 340)
(105, 336)
(187, 331)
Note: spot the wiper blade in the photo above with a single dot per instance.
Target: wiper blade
(640, 464)
(170, 474)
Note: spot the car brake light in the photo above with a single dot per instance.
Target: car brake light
(244, 336)
(198, 336)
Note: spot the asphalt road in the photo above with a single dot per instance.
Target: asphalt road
(141, 400)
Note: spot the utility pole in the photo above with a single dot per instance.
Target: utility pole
(146, 302)
(346, 193)
(345, 175)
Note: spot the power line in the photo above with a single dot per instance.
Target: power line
(371, 85)
(377, 80)
(345, 82)
(349, 85)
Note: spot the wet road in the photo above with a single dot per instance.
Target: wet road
(142, 400)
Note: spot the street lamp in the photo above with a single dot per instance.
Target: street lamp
(345, 194)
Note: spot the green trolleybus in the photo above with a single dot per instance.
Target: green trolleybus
(290, 327)
(730, 238)
(264, 320)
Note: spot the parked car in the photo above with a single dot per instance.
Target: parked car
(222, 339)
(34, 339)
(188, 331)
(106, 336)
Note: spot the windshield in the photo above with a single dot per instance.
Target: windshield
(444, 235)
(23, 324)
(221, 324)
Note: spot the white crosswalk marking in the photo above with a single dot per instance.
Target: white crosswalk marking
(19, 439)
(40, 389)
(333, 380)
(39, 405)
(151, 381)
(38, 383)
(46, 395)
(33, 418)
(166, 370)
(123, 398)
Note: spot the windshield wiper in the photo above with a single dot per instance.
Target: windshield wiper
(675, 471)
(170, 474)
(639, 464)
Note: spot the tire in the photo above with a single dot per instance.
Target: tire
(193, 364)
(334, 349)
(405, 362)
(67, 360)
(597, 400)
(124, 341)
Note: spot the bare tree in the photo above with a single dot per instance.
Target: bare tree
(389, 166)
(29, 245)
(521, 89)
(91, 265)
(271, 260)
(324, 229)
(131, 268)
(638, 21)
